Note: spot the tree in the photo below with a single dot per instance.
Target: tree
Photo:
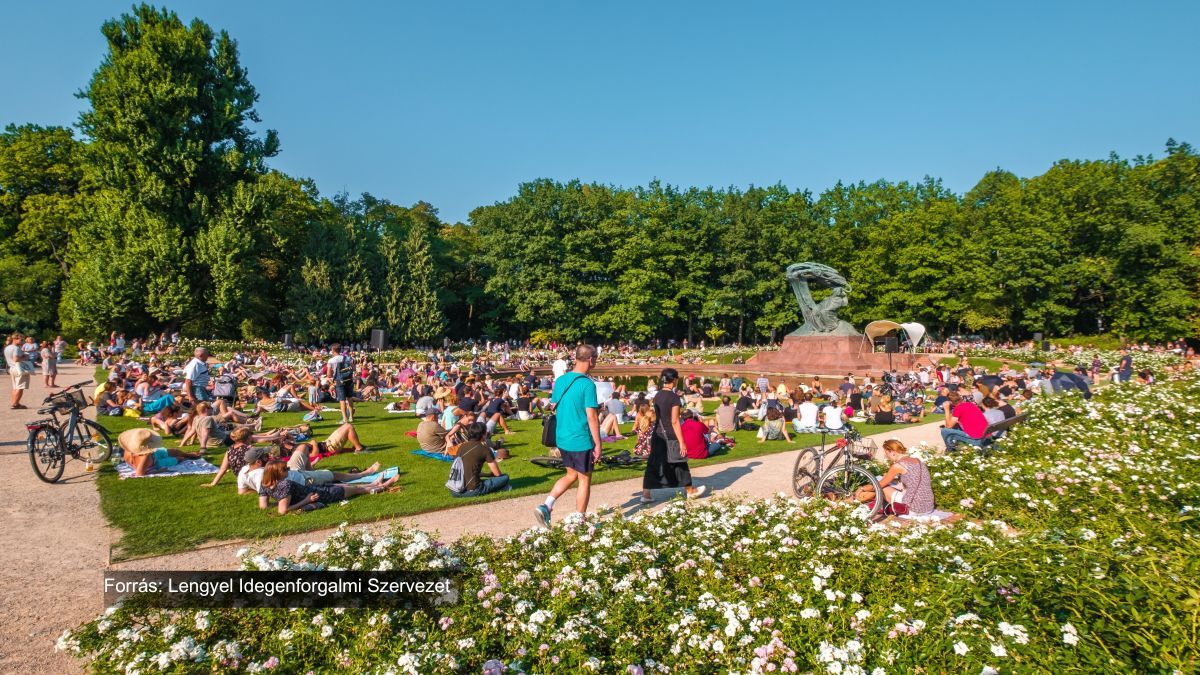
(426, 324)
(168, 128)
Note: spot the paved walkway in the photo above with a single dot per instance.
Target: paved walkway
(58, 543)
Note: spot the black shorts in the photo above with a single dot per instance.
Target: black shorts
(228, 399)
(581, 460)
(328, 494)
(343, 392)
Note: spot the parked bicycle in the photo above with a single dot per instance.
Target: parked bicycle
(52, 442)
(840, 476)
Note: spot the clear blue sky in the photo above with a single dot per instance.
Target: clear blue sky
(457, 103)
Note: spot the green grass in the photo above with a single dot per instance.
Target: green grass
(163, 515)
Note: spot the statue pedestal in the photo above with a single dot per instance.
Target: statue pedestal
(831, 355)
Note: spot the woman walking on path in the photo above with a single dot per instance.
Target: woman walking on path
(667, 466)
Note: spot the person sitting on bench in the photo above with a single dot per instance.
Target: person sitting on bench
(964, 421)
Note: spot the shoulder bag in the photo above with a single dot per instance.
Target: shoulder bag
(675, 453)
(550, 424)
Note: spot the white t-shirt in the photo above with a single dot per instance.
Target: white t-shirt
(12, 355)
(251, 479)
(806, 415)
(336, 362)
(196, 371)
(559, 368)
(833, 417)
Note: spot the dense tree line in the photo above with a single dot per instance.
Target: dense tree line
(160, 210)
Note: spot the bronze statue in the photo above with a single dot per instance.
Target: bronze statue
(820, 318)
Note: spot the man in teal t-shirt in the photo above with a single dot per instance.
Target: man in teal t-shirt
(577, 432)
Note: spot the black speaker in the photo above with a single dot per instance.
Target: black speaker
(378, 339)
(891, 345)
(1037, 337)
(1045, 345)
(287, 340)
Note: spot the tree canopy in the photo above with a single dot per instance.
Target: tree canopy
(160, 209)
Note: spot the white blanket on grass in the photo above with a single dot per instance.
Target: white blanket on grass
(187, 466)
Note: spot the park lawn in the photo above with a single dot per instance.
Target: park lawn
(165, 515)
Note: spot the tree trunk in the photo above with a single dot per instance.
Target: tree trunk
(741, 328)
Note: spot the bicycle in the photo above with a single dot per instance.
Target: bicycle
(813, 475)
(53, 441)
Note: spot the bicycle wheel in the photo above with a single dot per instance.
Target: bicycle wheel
(45, 454)
(91, 441)
(806, 472)
(841, 483)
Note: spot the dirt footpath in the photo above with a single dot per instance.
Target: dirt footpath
(56, 548)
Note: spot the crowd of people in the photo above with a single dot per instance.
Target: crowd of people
(466, 406)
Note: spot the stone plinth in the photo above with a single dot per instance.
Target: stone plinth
(831, 355)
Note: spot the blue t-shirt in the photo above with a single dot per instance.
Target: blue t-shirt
(571, 428)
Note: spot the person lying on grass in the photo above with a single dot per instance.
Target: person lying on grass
(304, 455)
(295, 496)
(249, 477)
(212, 430)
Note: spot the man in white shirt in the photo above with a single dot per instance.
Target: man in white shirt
(559, 367)
(806, 416)
(833, 417)
(17, 361)
(196, 377)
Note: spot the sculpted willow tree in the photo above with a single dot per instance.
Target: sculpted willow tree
(169, 148)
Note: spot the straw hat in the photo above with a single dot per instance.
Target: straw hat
(139, 441)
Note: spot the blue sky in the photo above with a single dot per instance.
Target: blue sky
(457, 103)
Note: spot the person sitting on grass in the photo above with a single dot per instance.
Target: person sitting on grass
(906, 482)
(774, 428)
(466, 473)
(643, 428)
(727, 417)
(885, 410)
(249, 477)
(912, 412)
(833, 418)
(495, 410)
(807, 415)
(315, 451)
(235, 456)
(697, 442)
(294, 496)
(170, 421)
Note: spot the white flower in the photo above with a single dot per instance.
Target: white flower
(999, 650)
(961, 648)
(202, 622)
(326, 631)
(718, 646)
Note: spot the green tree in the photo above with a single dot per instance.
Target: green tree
(426, 324)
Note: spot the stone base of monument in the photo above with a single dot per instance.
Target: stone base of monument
(832, 355)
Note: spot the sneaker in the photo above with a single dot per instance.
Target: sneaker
(542, 515)
(701, 490)
(312, 416)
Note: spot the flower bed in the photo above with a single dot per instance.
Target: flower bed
(1155, 362)
(1079, 556)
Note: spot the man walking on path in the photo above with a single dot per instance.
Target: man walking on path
(577, 432)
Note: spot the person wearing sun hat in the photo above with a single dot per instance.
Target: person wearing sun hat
(143, 450)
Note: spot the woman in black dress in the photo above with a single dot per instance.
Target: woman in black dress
(660, 472)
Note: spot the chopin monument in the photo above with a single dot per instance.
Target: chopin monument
(825, 344)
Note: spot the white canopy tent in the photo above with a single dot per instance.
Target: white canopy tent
(914, 331)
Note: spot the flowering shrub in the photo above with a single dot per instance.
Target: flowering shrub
(1155, 362)
(1078, 554)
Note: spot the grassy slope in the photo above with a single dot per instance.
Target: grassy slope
(160, 515)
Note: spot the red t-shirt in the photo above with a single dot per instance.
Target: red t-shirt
(693, 439)
(970, 419)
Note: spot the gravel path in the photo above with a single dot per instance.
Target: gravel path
(56, 548)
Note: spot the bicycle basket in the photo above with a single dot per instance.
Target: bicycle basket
(69, 400)
(863, 449)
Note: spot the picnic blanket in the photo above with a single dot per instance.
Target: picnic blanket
(380, 475)
(440, 456)
(185, 467)
(928, 517)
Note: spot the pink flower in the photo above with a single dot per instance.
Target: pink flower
(271, 663)
(445, 622)
(634, 670)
